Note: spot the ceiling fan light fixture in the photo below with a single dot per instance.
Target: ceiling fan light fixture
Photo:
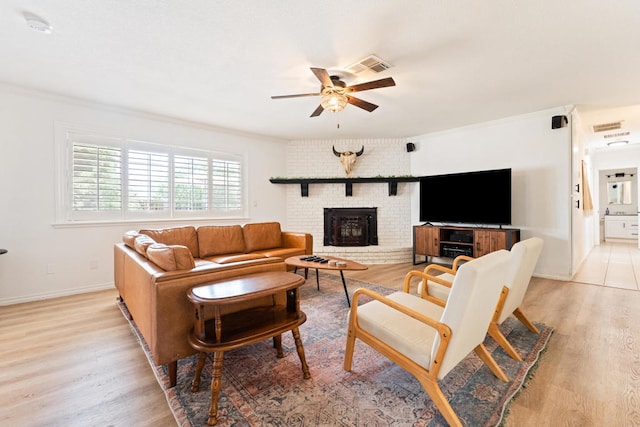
(334, 102)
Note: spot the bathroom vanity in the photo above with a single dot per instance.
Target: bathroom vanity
(620, 227)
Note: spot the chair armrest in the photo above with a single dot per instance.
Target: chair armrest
(440, 268)
(459, 260)
(435, 324)
(424, 293)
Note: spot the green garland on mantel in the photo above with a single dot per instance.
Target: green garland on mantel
(342, 177)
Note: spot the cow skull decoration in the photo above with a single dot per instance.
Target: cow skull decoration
(348, 158)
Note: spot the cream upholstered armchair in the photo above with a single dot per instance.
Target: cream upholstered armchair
(525, 256)
(427, 337)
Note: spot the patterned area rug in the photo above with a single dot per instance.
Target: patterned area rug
(259, 389)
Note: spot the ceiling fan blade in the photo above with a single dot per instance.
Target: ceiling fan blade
(323, 76)
(317, 111)
(362, 104)
(300, 95)
(372, 85)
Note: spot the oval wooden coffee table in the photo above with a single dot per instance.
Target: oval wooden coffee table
(343, 264)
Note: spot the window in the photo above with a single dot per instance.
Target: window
(111, 178)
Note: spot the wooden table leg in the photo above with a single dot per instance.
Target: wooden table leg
(195, 384)
(277, 343)
(216, 382)
(303, 360)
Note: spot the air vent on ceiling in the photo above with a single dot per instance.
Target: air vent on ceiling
(615, 135)
(370, 63)
(607, 126)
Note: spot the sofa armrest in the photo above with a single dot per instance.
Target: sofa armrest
(291, 239)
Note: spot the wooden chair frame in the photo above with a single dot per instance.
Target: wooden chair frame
(494, 331)
(428, 378)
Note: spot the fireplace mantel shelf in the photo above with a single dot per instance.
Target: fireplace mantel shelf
(348, 182)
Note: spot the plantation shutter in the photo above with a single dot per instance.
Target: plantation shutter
(148, 181)
(96, 178)
(191, 186)
(226, 182)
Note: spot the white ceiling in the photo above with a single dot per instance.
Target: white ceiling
(218, 62)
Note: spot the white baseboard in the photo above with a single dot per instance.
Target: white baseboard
(56, 294)
(553, 277)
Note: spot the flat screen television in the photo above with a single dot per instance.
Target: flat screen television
(480, 197)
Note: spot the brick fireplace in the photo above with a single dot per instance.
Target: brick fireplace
(382, 157)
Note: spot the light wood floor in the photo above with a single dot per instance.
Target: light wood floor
(616, 265)
(74, 361)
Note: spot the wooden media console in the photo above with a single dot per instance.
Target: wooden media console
(449, 242)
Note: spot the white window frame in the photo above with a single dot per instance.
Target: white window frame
(65, 214)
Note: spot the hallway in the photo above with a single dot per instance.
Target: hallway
(615, 265)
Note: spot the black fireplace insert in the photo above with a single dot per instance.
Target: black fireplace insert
(350, 226)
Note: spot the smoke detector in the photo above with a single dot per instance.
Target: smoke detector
(36, 23)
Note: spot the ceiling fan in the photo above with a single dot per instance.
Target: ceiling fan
(336, 94)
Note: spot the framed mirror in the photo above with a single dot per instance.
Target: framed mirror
(619, 193)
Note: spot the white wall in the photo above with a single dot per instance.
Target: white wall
(540, 159)
(46, 261)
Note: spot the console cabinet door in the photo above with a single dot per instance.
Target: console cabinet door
(487, 241)
(427, 240)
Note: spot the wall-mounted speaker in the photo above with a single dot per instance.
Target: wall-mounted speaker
(558, 122)
(411, 147)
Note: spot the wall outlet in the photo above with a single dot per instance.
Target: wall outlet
(94, 264)
(51, 269)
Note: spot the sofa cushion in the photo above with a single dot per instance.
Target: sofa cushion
(170, 258)
(226, 259)
(184, 236)
(129, 238)
(262, 235)
(141, 243)
(281, 252)
(220, 240)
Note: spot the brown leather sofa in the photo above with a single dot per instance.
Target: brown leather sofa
(154, 270)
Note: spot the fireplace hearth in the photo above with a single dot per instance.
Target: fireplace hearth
(350, 226)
